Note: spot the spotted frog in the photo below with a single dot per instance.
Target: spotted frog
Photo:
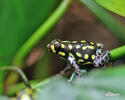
(78, 53)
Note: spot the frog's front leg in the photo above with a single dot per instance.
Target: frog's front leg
(72, 76)
(72, 61)
(102, 59)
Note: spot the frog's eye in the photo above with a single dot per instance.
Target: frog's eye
(57, 45)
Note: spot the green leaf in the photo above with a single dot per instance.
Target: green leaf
(107, 84)
(107, 19)
(18, 20)
(117, 6)
(4, 98)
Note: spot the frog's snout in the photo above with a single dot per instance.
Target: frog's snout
(53, 47)
(49, 46)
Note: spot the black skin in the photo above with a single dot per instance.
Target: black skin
(74, 50)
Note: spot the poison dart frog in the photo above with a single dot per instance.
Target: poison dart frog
(78, 53)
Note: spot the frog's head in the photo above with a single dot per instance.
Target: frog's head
(54, 46)
(58, 47)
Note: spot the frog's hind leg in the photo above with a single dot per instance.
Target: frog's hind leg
(102, 60)
(105, 58)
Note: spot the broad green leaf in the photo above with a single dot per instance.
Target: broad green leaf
(117, 6)
(107, 19)
(109, 80)
(18, 20)
(98, 85)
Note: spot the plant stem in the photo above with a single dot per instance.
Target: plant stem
(35, 84)
(19, 71)
(117, 53)
(40, 33)
(115, 26)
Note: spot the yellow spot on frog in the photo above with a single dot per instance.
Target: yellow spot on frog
(86, 56)
(98, 44)
(53, 49)
(70, 54)
(90, 47)
(74, 41)
(93, 57)
(70, 46)
(80, 61)
(84, 47)
(91, 43)
(87, 63)
(83, 41)
(78, 54)
(62, 46)
(78, 46)
(66, 41)
(56, 42)
(62, 53)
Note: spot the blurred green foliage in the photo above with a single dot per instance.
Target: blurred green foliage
(97, 85)
(106, 18)
(4, 98)
(117, 6)
(93, 87)
(18, 20)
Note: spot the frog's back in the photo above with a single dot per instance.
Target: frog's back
(83, 51)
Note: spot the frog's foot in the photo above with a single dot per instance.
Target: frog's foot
(102, 60)
(69, 81)
(72, 77)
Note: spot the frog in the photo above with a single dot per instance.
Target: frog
(80, 53)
